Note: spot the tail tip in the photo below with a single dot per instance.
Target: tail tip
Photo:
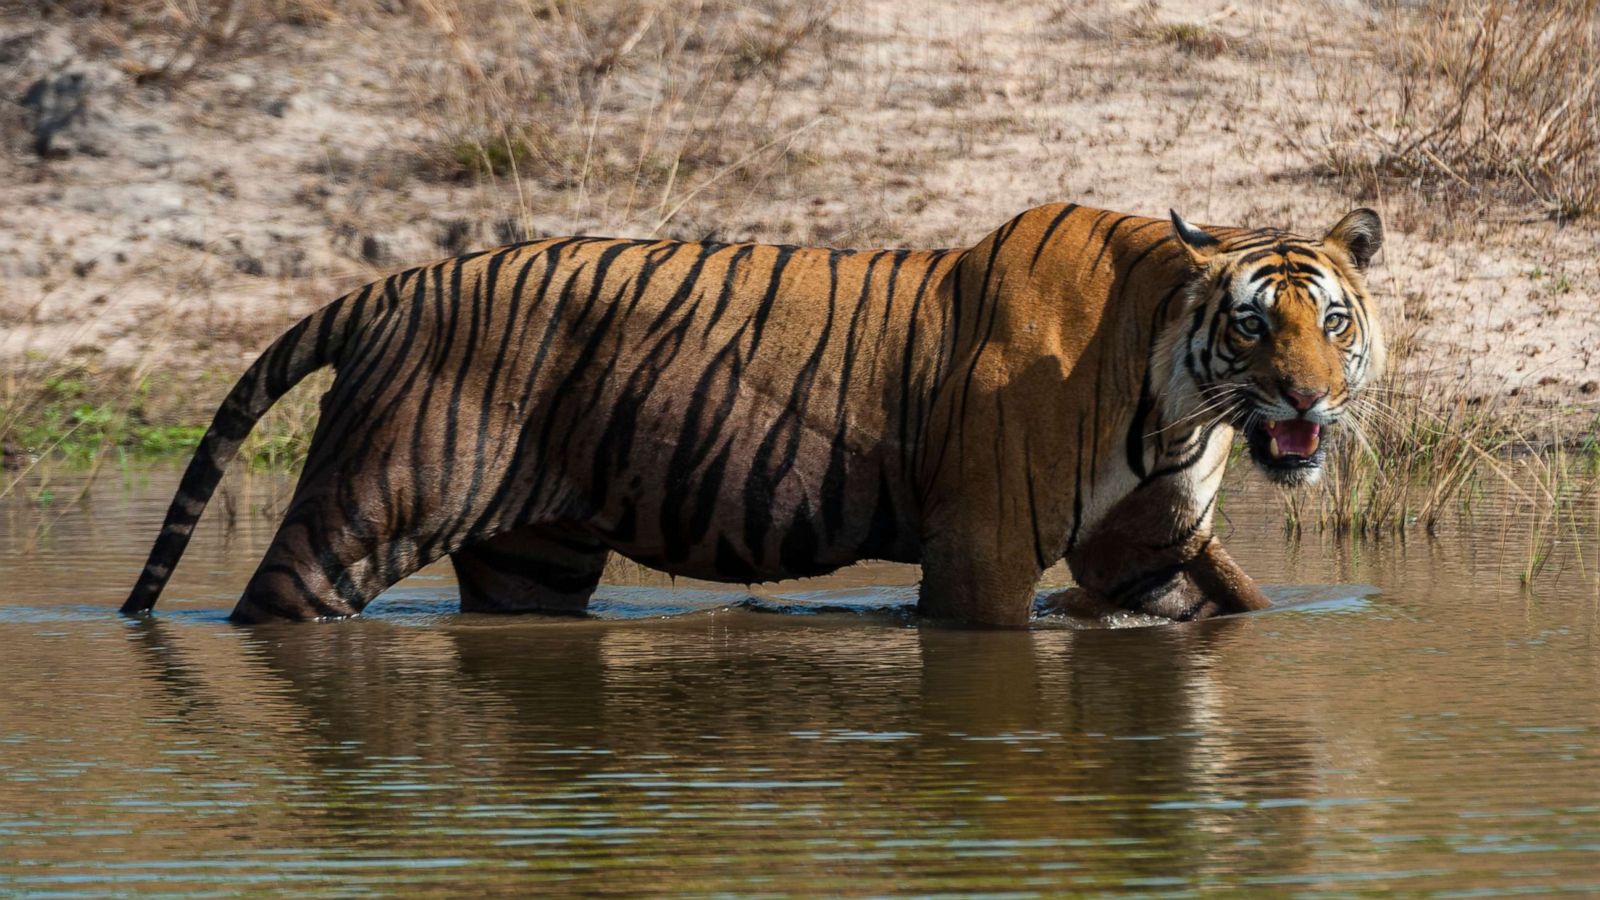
(139, 602)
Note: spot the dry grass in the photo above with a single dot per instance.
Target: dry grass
(631, 111)
(628, 112)
(1197, 38)
(1558, 490)
(170, 42)
(1410, 451)
(1489, 98)
(1408, 456)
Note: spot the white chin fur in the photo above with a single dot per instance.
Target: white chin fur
(1303, 476)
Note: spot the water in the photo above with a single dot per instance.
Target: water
(1409, 719)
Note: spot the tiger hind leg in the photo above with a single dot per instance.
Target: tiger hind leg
(529, 569)
(322, 565)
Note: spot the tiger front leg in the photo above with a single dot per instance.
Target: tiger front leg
(1223, 587)
(1147, 558)
(1209, 584)
(971, 577)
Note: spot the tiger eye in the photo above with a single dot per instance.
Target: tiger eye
(1251, 326)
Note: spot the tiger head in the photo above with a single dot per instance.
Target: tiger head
(1280, 340)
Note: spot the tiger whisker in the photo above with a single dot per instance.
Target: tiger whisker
(1226, 396)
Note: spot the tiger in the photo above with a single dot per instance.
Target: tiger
(1068, 388)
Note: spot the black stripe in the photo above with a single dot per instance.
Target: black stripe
(1050, 230)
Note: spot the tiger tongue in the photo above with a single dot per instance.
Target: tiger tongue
(1294, 437)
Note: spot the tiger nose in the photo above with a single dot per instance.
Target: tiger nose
(1302, 399)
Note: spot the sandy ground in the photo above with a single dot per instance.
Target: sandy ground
(216, 213)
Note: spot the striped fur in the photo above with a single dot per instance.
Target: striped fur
(744, 412)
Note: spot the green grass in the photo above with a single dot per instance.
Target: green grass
(62, 422)
(69, 424)
(80, 420)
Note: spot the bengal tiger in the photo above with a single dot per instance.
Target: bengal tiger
(1069, 387)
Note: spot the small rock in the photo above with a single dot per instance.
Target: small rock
(454, 235)
(145, 147)
(56, 104)
(14, 48)
(374, 249)
(1589, 387)
(80, 109)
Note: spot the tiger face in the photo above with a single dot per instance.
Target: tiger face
(1281, 342)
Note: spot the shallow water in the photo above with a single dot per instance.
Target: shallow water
(1409, 719)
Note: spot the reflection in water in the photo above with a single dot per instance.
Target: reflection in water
(645, 740)
(1438, 735)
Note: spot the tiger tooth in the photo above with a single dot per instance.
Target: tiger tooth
(1273, 447)
(1315, 442)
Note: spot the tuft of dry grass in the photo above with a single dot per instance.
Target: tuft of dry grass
(1410, 450)
(1201, 38)
(631, 110)
(1190, 37)
(1496, 98)
(1410, 454)
(1559, 490)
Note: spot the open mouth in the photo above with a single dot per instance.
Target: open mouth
(1289, 450)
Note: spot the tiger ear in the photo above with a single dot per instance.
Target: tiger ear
(1199, 245)
(1360, 234)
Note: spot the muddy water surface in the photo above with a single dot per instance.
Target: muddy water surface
(1409, 719)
